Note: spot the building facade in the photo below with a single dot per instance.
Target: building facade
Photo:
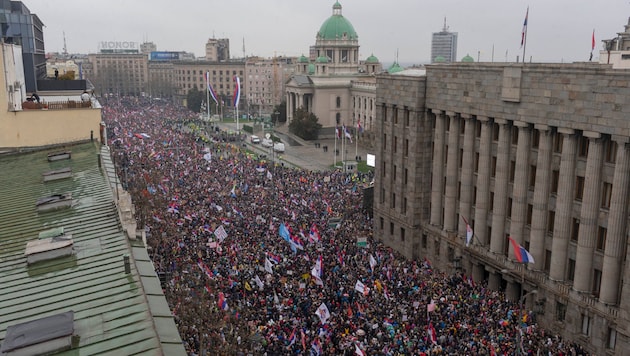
(21, 27)
(444, 46)
(336, 82)
(537, 152)
(118, 73)
(218, 49)
(265, 80)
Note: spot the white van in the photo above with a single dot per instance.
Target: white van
(278, 147)
(267, 143)
(254, 139)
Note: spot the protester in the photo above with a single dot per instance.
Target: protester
(253, 265)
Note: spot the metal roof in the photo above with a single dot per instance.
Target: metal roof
(114, 312)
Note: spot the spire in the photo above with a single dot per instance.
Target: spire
(445, 29)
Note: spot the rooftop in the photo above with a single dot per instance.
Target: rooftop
(113, 312)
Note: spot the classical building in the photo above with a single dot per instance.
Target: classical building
(536, 152)
(336, 86)
(444, 46)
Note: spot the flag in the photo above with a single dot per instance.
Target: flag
(361, 288)
(220, 233)
(274, 258)
(284, 232)
(372, 263)
(432, 334)
(237, 91)
(337, 132)
(268, 266)
(292, 338)
(347, 133)
(210, 89)
(524, 32)
(431, 306)
(521, 254)
(469, 232)
(248, 287)
(592, 45)
(269, 176)
(323, 313)
(317, 271)
(314, 234)
(316, 348)
(358, 351)
(359, 127)
(259, 282)
(233, 191)
(222, 302)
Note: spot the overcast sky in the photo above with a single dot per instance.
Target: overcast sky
(558, 30)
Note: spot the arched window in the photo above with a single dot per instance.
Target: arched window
(338, 102)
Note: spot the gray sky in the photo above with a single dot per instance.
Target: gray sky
(558, 30)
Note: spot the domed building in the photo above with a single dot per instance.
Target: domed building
(333, 82)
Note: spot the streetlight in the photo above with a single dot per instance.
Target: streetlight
(519, 331)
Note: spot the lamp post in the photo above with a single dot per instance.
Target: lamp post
(519, 329)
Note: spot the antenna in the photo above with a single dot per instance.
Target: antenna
(445, 29)
(244, 56)
(65, 48)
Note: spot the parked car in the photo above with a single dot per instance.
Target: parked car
(254, 139)
(267, 143)
(278, 147)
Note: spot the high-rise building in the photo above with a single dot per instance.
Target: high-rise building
(218, 50)
(19, 26)
(530, 154)
(444, 46)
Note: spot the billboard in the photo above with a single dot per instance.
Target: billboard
(164, 56)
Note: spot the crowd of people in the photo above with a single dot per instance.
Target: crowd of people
(258, 258)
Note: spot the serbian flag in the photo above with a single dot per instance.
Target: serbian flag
(337, 132)
(237, 91)
(359, 127)
(524, 32)
(222, 303)
(313, 233)
(358, 351)
(292, 338)
(521, 254)
(316, 348)
(210, 89)
(469, 232)
(432, 334)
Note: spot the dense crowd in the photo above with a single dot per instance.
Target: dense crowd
(258, 258)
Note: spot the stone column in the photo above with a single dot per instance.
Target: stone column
(501, 180)
(466, 180)
(564, 204)
(494, 281)
(541, 198)
(437, 180)
(483, 182)
(452, 178)
(589, 214)
(521, 185)
(477, 272)
(617, 237)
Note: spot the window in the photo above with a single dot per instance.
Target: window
(586, 324)
(424, 240)
(558, 139)
(476, 168)
(395, 173)
(405, 176)
(393, 202)
(610, 151)
(402, 234)
(495, 132)
(535, 138)
(582, 146)
(381, 223)
(383, 169)
(509, 208)
(532, 176)
(395, 113)
(547, 261)
(491, 203)
(395, 144)
(461, 157)
(530, 209)
(404, 206)
(612, 338)
(493, 168)
(575, 229)
(515, 135)
(606, 195)
(384, 113)
(512, 171)
(406, 148)
(478, 129)
(384, 142)
(551, 221)
(436, 247)
(571, 270)
(382, 195)
(338, 102)
(474, 199)
(561, 311)
(555, 179)
(391, 229)
(406, 113)
(597, 282)
(601, 238)
(579, 188)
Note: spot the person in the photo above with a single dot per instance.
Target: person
(34, 97)
(85, 97)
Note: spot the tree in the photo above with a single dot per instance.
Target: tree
(194, 99)
(305, 125)
(282, 110)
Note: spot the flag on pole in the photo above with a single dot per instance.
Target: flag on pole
(361, 288)
(222, 302)
(210, 89)
(259, 282)
(237, 91)
(292, 338)
(317, 271)
(592, 45)
(372, 263)
(268, 266)
(358, 351)
(337, 132)
(521, 254)
(432, 334)
(524, 32)
(316, 347)
(359, 127)
(323, 313)
(469, 231)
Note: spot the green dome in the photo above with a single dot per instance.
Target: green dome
(337, 27)
(468, 59)
(303, 59)
(394, 68)
(311, 68)
(371, 59)
(322, 59)
(439, 59)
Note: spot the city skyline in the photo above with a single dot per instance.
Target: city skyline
(489, 30)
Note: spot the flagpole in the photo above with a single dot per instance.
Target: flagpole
(356, 145)
(525, 32)
(335, 150)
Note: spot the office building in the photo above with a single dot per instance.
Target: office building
(444, 46)
(535, 152)
(218, 49)
(265, 80)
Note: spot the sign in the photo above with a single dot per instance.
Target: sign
(362, 241)
(117, 45)
(164, 56)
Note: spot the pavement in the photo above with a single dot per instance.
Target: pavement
(304, 154)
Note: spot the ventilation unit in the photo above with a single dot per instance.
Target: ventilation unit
(43, 336)
(54, 202)
(57, 174)
(58, 156)
(51, 244)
